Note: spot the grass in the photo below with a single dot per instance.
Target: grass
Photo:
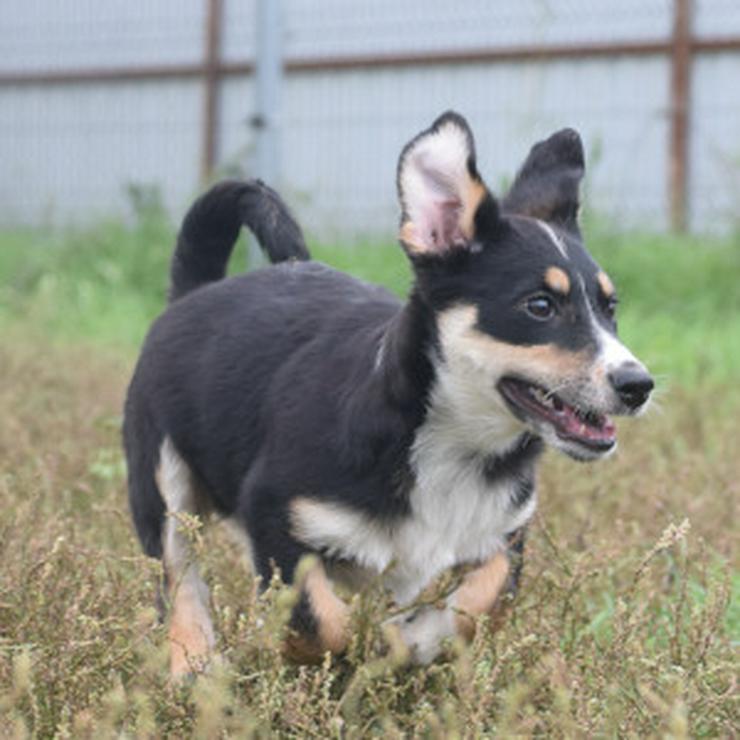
(627, 622)
(680, 304)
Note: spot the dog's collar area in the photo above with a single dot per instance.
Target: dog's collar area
(531, 402)
(526, 450)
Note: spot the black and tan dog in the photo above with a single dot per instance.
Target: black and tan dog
(322, 415)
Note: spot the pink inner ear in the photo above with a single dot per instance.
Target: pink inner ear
(438, 224)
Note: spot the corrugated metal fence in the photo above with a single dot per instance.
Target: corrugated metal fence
(96, 96)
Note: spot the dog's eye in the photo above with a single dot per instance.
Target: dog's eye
(610, 307)
(541, 307)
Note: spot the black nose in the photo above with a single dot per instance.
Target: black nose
(632, 383)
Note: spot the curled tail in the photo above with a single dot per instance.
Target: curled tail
(212, 225)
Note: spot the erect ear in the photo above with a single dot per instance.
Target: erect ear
(548, 184)
(443, 198)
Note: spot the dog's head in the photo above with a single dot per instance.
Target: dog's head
(525, 317)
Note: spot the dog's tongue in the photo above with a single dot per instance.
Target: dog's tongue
(599, 430)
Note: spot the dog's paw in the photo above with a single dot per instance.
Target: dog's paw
(423, 631)
(185, 670)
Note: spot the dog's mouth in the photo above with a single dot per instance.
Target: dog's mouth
(586, 427)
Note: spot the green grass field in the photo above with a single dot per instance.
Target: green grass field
(625, 625)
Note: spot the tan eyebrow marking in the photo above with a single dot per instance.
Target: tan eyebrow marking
(605, 284)
(557, 280)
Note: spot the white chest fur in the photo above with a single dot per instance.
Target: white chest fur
(456, 516)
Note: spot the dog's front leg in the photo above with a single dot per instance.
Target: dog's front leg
(320, 620)
(426, 628)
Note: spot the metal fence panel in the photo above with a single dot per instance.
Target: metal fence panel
(68, 153)
(714, 165)
(119, 97)
(716, 18)
(43, 34)
(333, 27)
(341, 164)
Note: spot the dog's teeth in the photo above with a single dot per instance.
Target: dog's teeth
(542, 397)
(545, 398)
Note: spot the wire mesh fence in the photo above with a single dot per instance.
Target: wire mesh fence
(96, 97)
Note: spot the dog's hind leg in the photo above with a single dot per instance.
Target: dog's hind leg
(191, 633)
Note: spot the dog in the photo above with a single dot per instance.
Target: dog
(322, 416)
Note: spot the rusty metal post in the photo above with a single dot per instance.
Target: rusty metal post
(211, 85)
(681, 54)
